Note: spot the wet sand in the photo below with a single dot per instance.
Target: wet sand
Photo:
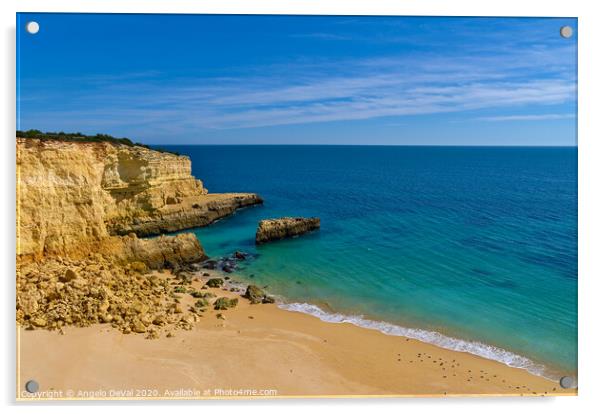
(258, 351)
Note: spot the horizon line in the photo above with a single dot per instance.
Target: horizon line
(365, 145)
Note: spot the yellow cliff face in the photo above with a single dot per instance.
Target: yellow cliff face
(77, 198)
(61, 204)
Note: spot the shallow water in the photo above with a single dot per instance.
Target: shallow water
(472, 243)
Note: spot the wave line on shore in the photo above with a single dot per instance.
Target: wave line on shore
(431, 337)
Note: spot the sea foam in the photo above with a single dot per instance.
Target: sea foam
(431, 337)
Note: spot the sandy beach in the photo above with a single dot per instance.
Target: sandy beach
(258, 351)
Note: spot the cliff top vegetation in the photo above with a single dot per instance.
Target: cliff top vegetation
(79, 137)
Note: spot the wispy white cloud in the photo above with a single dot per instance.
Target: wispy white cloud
(534, 117)
(323, 91)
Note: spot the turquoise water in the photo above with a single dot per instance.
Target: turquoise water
(472, 248)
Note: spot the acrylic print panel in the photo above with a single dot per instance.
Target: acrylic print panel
(303, 206)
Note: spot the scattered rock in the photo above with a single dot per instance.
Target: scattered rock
(215, 283)
(268, 299)
(254, 294)
(225, 303)
(39, 322)
(160, 320)
(138, 326)
(210, 264)
(257, 295)
(68, 276)
(152, 334)
(106, 318)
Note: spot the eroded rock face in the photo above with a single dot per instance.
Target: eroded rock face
(161, 252)
(276, 229)
(72, 197)
(196, 210)
(80, 210)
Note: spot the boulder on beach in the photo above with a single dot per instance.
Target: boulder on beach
(225, 303)
(280, 228)
(256, 295)
(215, 283)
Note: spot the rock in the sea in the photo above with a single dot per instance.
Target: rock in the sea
(276, 229)
(238, 255)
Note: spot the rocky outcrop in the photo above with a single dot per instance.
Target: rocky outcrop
(80, 209)
(155, 193)
(60, 292)
(161, 252)
(72, 198)
(183, 213)
(276, 229)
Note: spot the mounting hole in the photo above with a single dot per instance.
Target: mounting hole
(566, 32)
(566, 382)
(32, 27)
(32, 386)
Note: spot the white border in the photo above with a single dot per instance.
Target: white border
(590, 176)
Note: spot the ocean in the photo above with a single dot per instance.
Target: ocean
(470, 248)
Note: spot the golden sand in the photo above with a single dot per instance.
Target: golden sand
(258, 350)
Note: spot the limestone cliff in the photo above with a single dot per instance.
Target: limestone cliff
(155, 193)
(77, 198)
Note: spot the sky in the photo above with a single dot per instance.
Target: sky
(341, 80)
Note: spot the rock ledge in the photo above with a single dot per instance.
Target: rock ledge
(280, 228)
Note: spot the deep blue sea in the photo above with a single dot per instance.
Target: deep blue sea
(471, 248)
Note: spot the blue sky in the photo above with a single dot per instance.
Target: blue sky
(195, 79)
